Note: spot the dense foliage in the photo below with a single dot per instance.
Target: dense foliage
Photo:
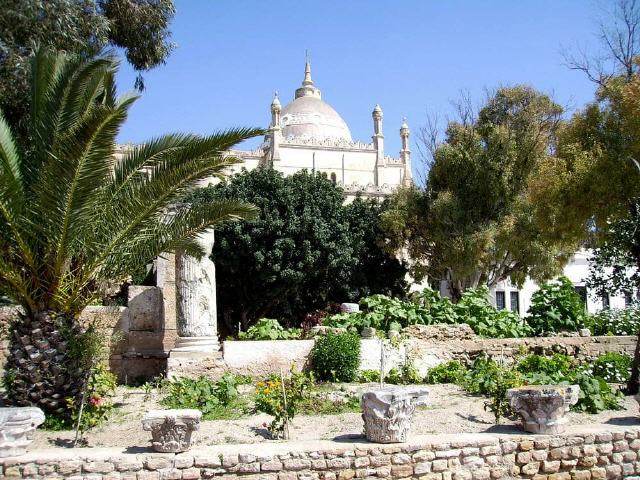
(336, 357)
(447, 372)
(270, 329)
(556, 307)
(73, 221)
(305, 249)
(216, 400)
(612, 367)
(615, 321)
(428, 308)
(486, 376)
(85, 27)
(475, 222)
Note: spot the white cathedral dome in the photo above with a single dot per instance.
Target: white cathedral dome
(307, 116)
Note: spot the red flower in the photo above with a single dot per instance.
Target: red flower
(96, 401)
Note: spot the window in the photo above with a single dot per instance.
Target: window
(628, 299)
(582, 292)
(515, 302)
(500, 300)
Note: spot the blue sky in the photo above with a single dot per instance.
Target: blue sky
(409, 56)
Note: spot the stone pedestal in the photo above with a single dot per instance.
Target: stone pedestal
(543, 407)
(171, 429)
(17, 425)
(196, 301)
(387, 412)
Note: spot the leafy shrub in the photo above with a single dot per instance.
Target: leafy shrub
(281, 398)
(556, 307)
(595, 394)
(439, 309)
(428, 308)
(269, 329)
(612, 367)
(503, 379)
(369, 376)
(214, 399)
(448, 372)
(624, 321)
(475, 310)
(406, 375)
(541, 370)
(336, 357)
(352, 322)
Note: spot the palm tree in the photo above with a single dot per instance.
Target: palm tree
(73, 218)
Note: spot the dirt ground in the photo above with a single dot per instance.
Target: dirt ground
(451, 411)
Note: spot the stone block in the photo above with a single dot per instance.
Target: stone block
(145, 308)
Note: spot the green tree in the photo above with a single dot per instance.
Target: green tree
(139, 27)
(304, 250)
(73, 219)
(475, 222)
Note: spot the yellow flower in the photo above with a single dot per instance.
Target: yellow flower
(266, 390)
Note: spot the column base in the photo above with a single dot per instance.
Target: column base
(196, 344)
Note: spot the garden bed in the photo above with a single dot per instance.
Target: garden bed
(451, 411)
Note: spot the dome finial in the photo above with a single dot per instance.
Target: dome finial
(307, 69)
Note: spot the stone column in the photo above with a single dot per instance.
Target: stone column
(196, 301)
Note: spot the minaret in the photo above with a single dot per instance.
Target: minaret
(275, 129)
(405, 153)
(378, 139)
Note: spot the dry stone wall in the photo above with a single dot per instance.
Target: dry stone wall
(594, 453)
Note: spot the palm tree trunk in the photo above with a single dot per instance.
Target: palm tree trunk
(43, 369)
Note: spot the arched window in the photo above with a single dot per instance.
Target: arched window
(333, 178)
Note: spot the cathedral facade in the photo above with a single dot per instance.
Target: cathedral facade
(308, 133)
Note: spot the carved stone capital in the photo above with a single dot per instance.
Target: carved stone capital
(171, 429)
(387, 412)
(543, 407)
(17, 425)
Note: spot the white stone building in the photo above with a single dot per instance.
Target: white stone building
(507, 296)
(309, 134)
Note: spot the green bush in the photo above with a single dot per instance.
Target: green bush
(612, 367)
(216, 400)
(336, 357)
(428, 308)
(595, 394)
(270, 329)
(369, 376)
(541, 370)
(448, 372)
(475, 310)
(623, 321)
(556, 307)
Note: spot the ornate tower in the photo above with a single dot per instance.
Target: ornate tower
(378, 139)
(405, 153)
(275, 130)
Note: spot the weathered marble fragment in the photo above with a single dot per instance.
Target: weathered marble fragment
(387, 412)
(543, 407)
(171, 429)
(17, 425)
